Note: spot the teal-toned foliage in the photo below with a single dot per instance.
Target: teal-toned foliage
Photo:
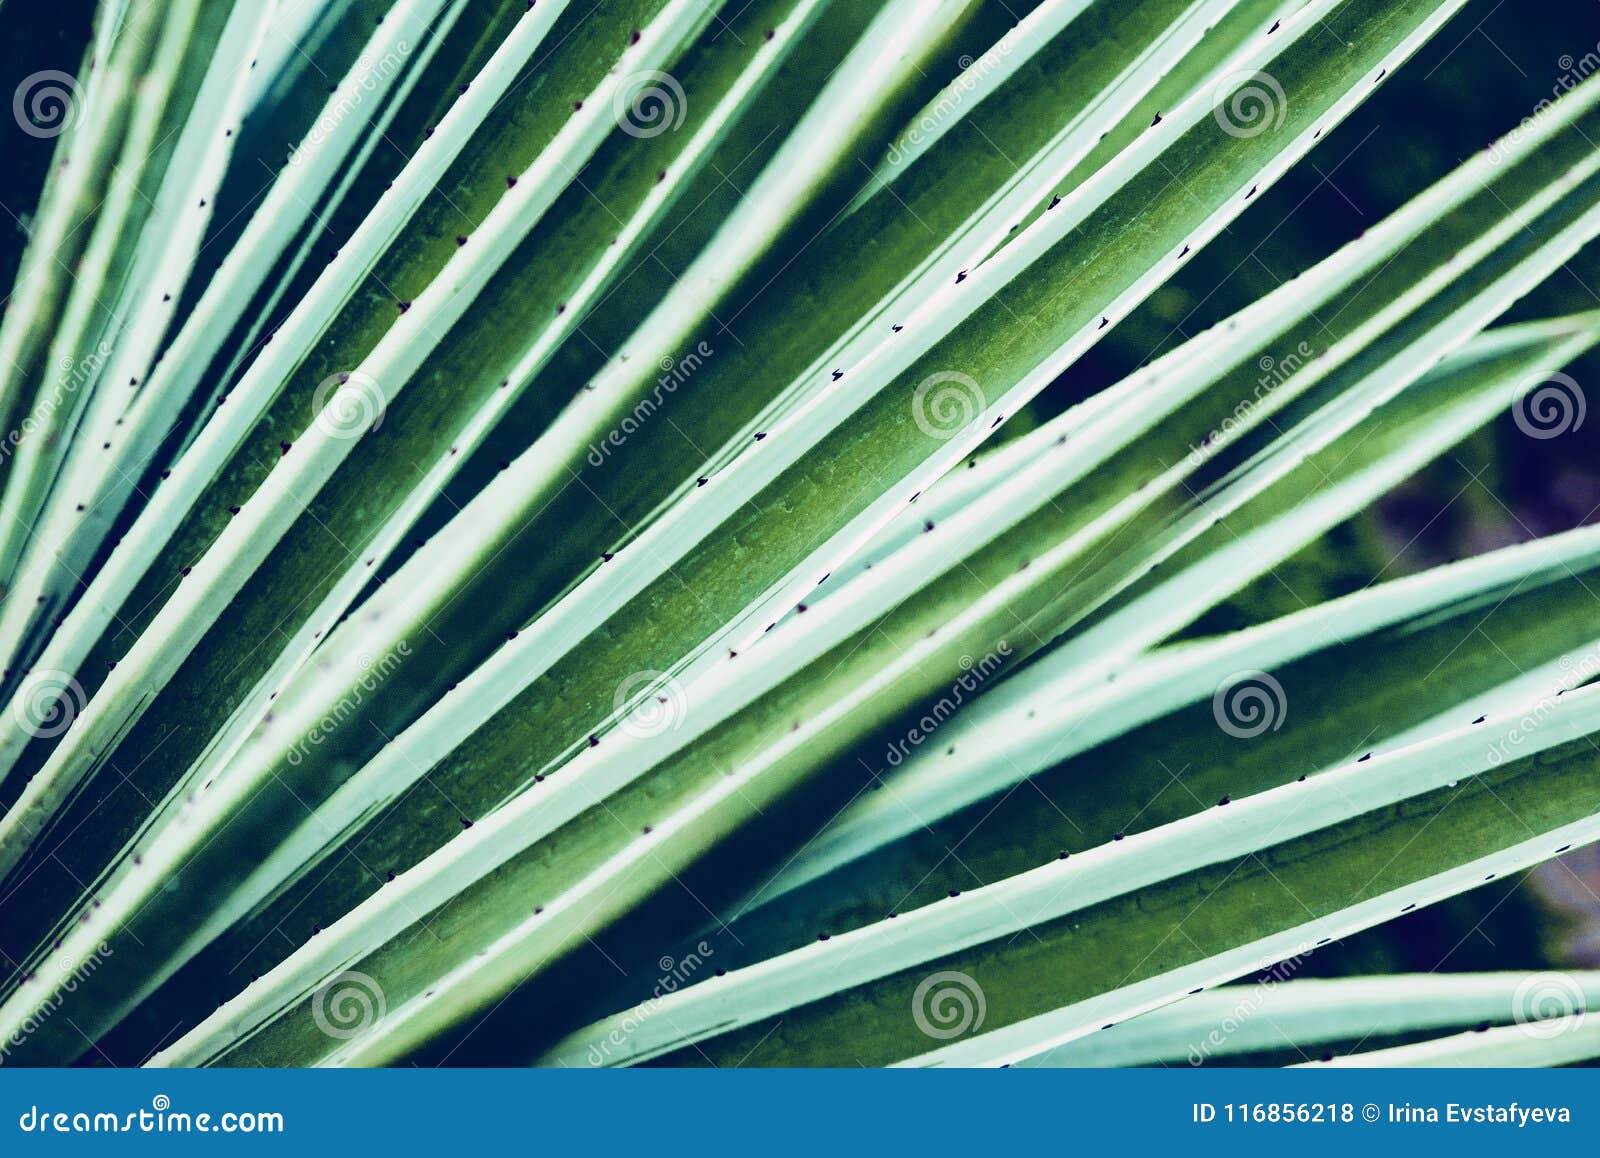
(663, 531)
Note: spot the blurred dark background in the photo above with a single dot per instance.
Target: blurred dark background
(1488, 69)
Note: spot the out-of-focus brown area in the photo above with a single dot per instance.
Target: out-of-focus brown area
(1571, 886)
